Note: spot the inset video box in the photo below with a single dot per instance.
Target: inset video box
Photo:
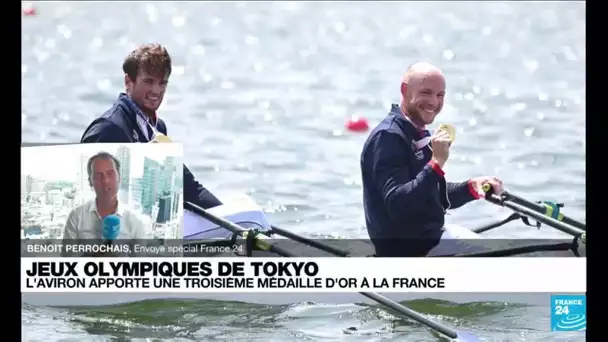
(102, 200)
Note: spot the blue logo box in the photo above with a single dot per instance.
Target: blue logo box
(568, 313)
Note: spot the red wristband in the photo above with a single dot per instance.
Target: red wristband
(436, 167)
(473, 191)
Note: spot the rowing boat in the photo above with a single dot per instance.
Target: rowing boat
(242, 217)
(201, 229)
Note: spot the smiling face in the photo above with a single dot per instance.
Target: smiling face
(147, 70)
(423, 92)
(147, 90)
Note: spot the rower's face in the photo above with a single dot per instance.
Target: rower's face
(424, 97)
(147, 90)
(105, 178)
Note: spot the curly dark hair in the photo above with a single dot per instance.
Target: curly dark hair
(152, 58)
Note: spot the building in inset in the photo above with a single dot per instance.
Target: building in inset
(177, 203)
(136, 191)
(165, 212)
(124, 157)
(150, 184)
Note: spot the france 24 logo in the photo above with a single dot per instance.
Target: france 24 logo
(568, 313)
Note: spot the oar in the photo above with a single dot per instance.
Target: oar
(526, 211)
(309, 242)
(487, 227)
(548, 209)
(271, 247)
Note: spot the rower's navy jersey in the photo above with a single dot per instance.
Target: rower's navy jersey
(119, 125)
(405, 194)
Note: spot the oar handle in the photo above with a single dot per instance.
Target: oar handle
(548, 209)
(534, 214)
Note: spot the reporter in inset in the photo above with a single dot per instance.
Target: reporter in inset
(86, 222)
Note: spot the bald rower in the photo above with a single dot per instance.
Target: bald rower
(405, 193)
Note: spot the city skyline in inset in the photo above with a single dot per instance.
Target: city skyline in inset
(54, 181)
(145, 174)
(63, 162)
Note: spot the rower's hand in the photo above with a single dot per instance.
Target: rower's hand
(495, 183)
(440, 143)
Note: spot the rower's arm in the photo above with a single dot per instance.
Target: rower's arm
(461, 193)
(196, 193)
(385, 163)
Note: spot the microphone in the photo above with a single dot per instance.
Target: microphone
(111, 228)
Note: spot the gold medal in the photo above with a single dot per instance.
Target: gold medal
(450, 130)
(160, 138)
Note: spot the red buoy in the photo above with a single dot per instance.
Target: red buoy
(357, 124)
(29, 10)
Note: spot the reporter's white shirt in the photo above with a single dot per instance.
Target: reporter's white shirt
(85, 223)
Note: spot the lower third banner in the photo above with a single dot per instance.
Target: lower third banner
(565, 275)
